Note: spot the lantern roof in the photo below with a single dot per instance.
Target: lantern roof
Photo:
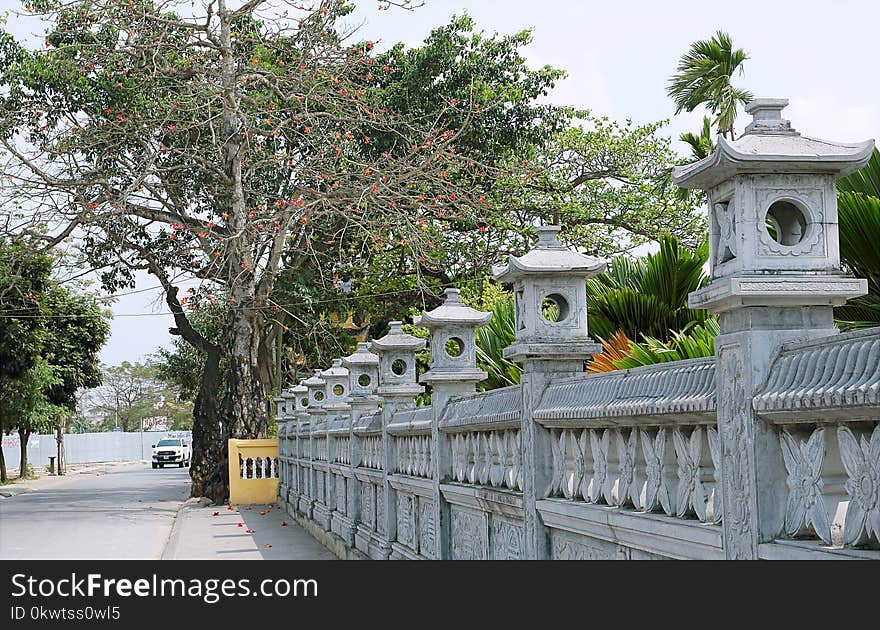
(453, 311)
(549, 256)
(396, 339)
(335, 369)
(771, 145)
(315, 380)
(361, 357)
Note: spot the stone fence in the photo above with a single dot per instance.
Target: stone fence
(770, 449)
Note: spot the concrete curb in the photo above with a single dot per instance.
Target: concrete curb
(172, 545)
(7, 492)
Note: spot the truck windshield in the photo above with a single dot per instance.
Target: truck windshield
(168, 443)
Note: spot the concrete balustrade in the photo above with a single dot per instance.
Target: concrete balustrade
(770, 449)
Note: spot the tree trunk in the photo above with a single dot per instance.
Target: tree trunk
(59, 439)
(3, 475)
(208, 468)
(248, 397)
(23, 437)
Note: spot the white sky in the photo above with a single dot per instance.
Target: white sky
(619, 55)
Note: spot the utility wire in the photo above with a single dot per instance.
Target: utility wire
(252, 308)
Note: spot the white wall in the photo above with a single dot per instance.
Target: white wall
(87, 447)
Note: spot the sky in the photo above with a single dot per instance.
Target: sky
(619, 55)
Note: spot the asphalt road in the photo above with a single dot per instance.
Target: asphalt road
(123, 513)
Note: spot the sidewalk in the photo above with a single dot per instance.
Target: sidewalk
(253, 532)
(19, 486)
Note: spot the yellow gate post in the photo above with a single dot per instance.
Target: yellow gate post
(253, 471)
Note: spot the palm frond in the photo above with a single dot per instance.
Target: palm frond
(859, 223)
(865, 181)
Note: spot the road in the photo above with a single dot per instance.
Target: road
(126, 512)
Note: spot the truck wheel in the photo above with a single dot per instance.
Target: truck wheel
(155, 465)
(161, 465)
(180, 465)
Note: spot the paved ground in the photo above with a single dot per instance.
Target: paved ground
(241, 533)
(134, 512)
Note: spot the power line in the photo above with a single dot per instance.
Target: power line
(253, 308)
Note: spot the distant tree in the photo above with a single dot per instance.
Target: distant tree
(77, 328)
(703, 78)
(130, 393)
(604, 182)
(24, 277)
(26, 407)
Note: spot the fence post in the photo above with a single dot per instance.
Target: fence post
(298, 493)
(338, 419)
(398, 388)
(363, 381)
(770, 285)
(281, 431)
(315, 385)
(453, 371)
(551, 342)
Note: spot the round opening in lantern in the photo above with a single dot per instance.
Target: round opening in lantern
(319, 396)
(454, 347)
(554, 308)
(338, 390)
(398, 367)
(304, 402)
(364, 380)
(786, 223)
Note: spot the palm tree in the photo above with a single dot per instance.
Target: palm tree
(648, 295)
(703, 78)
(492, 339)
(858, 208)
(702, 145)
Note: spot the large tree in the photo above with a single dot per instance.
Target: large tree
(226, 143)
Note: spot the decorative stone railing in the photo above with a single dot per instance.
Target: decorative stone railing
(372, 454)
(668, 393)
(647, 442)
(484, 436)
(342, 449)
(319, 441)
(824, 395)
(411, 431)
(632, 460)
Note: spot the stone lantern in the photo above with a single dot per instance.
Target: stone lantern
(336, 389)
(317, 392)
(453, 367)
(363, 380)
(300, 397)
(397, 364)
(280, 409)
(773, 235)
(550, 300)
(776, 276)
(398, 388)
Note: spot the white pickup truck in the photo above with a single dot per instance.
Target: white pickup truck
(171, 451)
